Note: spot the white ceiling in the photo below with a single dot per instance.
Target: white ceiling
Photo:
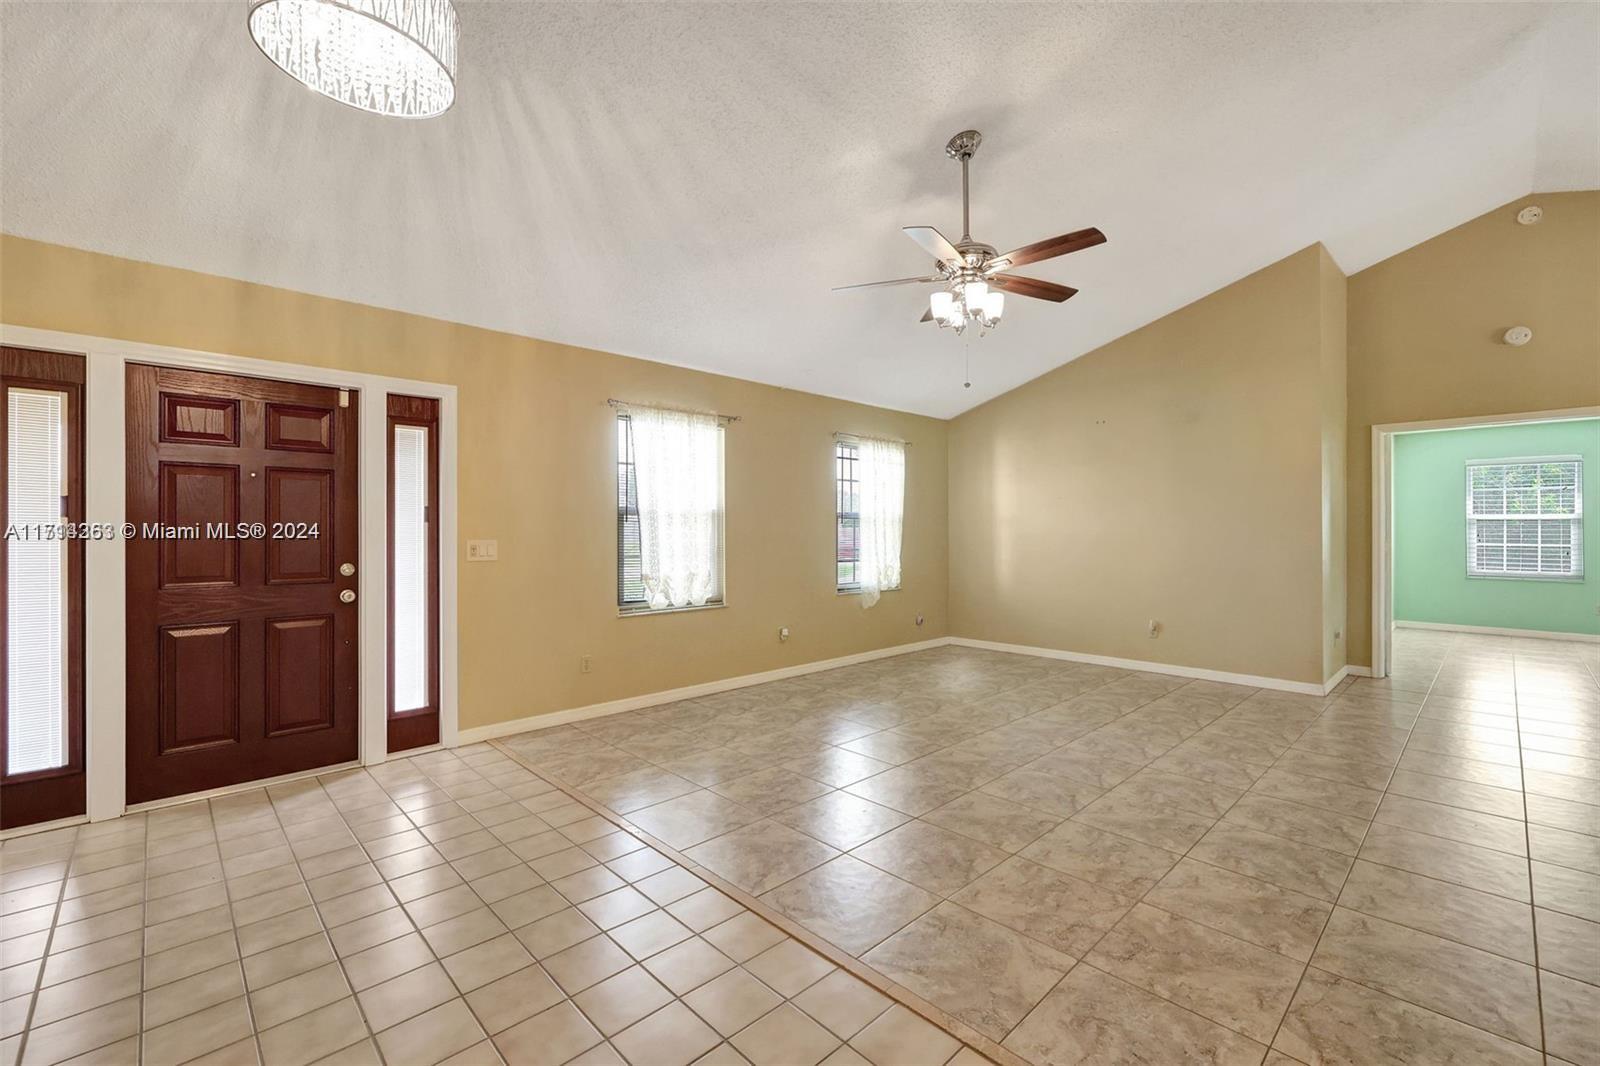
(686, 182)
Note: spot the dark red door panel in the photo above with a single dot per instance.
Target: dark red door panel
(242, 655)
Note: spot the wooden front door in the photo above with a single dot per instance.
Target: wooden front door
(242, 625)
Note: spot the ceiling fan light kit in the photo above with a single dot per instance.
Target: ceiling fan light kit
(975, 277)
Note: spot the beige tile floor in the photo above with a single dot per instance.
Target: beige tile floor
(1082, 864)
(452, 908)
(1088, 865)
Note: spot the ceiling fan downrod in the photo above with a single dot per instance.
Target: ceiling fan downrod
(962, 147)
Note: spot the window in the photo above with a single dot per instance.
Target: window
(41, 576)
(848, 515)
(413, 572)
(869, 492)
(669, 510)
(36, 580)
(1525, 518)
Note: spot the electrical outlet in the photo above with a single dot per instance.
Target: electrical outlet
(783, 634)
(1155, 628)
(584, 664)
(483, 551)
(919, 619)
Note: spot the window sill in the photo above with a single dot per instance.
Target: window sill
(648, 612)
(857, 592)
(1569, 579)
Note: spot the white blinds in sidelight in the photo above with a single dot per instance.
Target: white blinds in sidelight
(411, 615)
(36, 582)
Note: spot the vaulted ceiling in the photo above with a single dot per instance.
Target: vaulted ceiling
(686, 182)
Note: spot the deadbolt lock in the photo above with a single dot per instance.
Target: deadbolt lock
(347, 569)
(347, 596)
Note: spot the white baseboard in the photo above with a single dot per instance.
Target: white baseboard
(1333, 682)
(495, 730)
(1310, 688)
(1498, 631)
(688, 692)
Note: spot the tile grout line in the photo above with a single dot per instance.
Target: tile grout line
(321, 925)
(753, 904)
(1355, 859)
(683, 863)
(1527, 836)
(238, 946)
(1185, 855)
(1127, 713)
(44, 957)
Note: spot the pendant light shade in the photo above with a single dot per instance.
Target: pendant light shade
(390, 57)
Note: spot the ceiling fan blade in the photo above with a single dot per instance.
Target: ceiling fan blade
(1075, 241)
(1039, 290)
(880, 284)
(934, 243)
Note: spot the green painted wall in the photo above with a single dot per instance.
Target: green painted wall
(1430, 531)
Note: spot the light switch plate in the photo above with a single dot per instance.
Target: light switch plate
(482, 551)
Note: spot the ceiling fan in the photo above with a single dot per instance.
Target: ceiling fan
(975, 277)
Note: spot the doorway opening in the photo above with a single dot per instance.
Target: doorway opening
(1480, 527)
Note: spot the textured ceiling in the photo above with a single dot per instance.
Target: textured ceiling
(685, 182)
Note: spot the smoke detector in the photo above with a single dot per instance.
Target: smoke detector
(1517, 336)
(1530, 214)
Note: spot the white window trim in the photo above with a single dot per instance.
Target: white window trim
(1575, 521)
(105, 575)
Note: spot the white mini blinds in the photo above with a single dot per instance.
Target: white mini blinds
(880, 494)
(36, 581)
(669, 513)
(1525, 517)
(410, 575)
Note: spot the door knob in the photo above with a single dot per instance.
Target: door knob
(347, 596)
(347, 569)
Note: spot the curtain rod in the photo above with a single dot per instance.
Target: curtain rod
(840, 434)
(683, 410)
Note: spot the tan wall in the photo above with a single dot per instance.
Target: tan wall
(1424, 342)
(1173, 474)
(537, 473)
(1332, 361)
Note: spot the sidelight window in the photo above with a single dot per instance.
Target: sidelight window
(413, 572)
(37, 592)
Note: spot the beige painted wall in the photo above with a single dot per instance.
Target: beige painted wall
(537, 454)
(1211, 470)
(1424, 342)
(1173, 474)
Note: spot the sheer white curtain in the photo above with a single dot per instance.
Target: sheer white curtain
(882, 487)
(678, 466)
